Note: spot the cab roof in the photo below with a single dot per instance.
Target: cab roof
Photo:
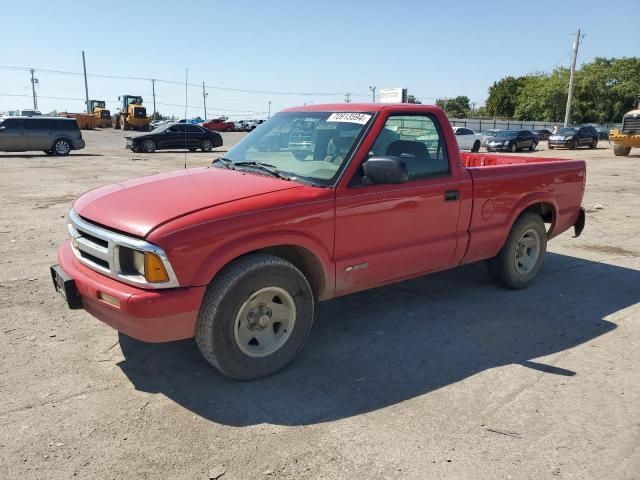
(360, 107)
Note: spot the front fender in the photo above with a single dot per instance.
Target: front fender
(212, 265)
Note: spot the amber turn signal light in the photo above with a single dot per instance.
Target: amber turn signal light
(154, 271)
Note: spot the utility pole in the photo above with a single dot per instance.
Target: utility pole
(86, 85)
(373, 93)
(269, 114)
(204, 99)
(153, 92)
(567, 114)
(473, 108)
(347, 97)
(33, 89)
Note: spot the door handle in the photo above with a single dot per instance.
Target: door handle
(451, 195)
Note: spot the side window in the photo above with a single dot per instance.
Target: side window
(193, 129)
(418, 141)
(12, 124)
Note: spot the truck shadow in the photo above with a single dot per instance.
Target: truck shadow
(381, 347)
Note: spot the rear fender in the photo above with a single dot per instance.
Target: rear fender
(528, 201)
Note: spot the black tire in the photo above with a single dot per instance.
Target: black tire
(574, 145)
(207, 145)
(61, 147)
(502, 267)
(116, 122)
(192, 149)
(476, 146)
(533, 146)
(148, 146)
(225, 296)
(299, 154)
(593, 144)
(513, 148)
(620, 150)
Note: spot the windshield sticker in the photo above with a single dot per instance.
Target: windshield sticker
(360, 118)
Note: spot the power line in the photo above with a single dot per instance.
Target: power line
(175, 82)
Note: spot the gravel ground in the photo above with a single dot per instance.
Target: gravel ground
(446, 376)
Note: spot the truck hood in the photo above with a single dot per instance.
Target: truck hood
(140, 205)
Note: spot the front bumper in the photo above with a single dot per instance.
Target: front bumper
(150, 316)
(561, 143)
(497, 148)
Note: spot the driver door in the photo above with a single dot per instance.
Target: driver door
(388, 232)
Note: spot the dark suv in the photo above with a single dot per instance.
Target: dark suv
(52, 135)
(574, 137)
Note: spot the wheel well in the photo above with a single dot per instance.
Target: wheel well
(304, 260)
(546, 211)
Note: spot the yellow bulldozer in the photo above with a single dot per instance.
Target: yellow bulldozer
(131, 115)
(98, 109)
(628, 136)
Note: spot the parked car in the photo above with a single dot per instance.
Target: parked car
(512, 141)
(487, 134)
(28, 112)
(175, 135)
(467, 139)
(156, 123)
(219, 125)
(542, 134)
(52, 135)
(603, 133)
(574, 137)
(238, 254)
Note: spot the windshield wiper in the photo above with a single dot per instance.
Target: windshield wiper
(265, 167)
(224, 161)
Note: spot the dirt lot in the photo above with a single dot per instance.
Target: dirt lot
(446, 376)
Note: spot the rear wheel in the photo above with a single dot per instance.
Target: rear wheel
(116, 122)
(574, 145)
(148, 146)
(520, 259)
(514, 148)
(255, 317)
(61, 147)
(476, 146)
(207, 145)
(593, 144)
(620, 150)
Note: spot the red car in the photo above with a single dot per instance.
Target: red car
(219, 125)
(323, 201)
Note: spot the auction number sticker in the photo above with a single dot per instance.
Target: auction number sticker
(350, 117)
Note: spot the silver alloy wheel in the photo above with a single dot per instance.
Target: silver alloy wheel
(514, 147)
(527, 251)
(207, 145)
(149, 146)
(265, 322)
(62, 147)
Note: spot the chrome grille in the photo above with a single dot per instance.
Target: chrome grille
(98, 248)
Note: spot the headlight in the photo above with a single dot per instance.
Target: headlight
(570, 137)
(146, 264)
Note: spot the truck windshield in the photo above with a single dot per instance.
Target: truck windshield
(312, 146)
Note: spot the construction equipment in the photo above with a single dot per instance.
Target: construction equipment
(131, 114)
(98, 109)
(629, 135)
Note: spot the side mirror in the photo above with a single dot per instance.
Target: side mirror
(383, 170)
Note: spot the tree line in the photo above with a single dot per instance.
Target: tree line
(603, 91)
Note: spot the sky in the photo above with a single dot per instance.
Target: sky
(434, 49)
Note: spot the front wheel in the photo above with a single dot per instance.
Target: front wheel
(207, 145)
(620, 150)
(533, 146)
(514, 148)
(476, 146)
(255, 317)
(593, 144)
(520, 259)
(149, 146)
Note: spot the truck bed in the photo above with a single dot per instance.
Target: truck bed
(504, 184)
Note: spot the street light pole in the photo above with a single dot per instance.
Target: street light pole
(567, 114)
(373, 94)
(269, 113)
(33, 89)
(204, 99)
(153, 92)
(86, 85)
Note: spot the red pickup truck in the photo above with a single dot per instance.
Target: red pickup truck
(322, 201)
(219, 125)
